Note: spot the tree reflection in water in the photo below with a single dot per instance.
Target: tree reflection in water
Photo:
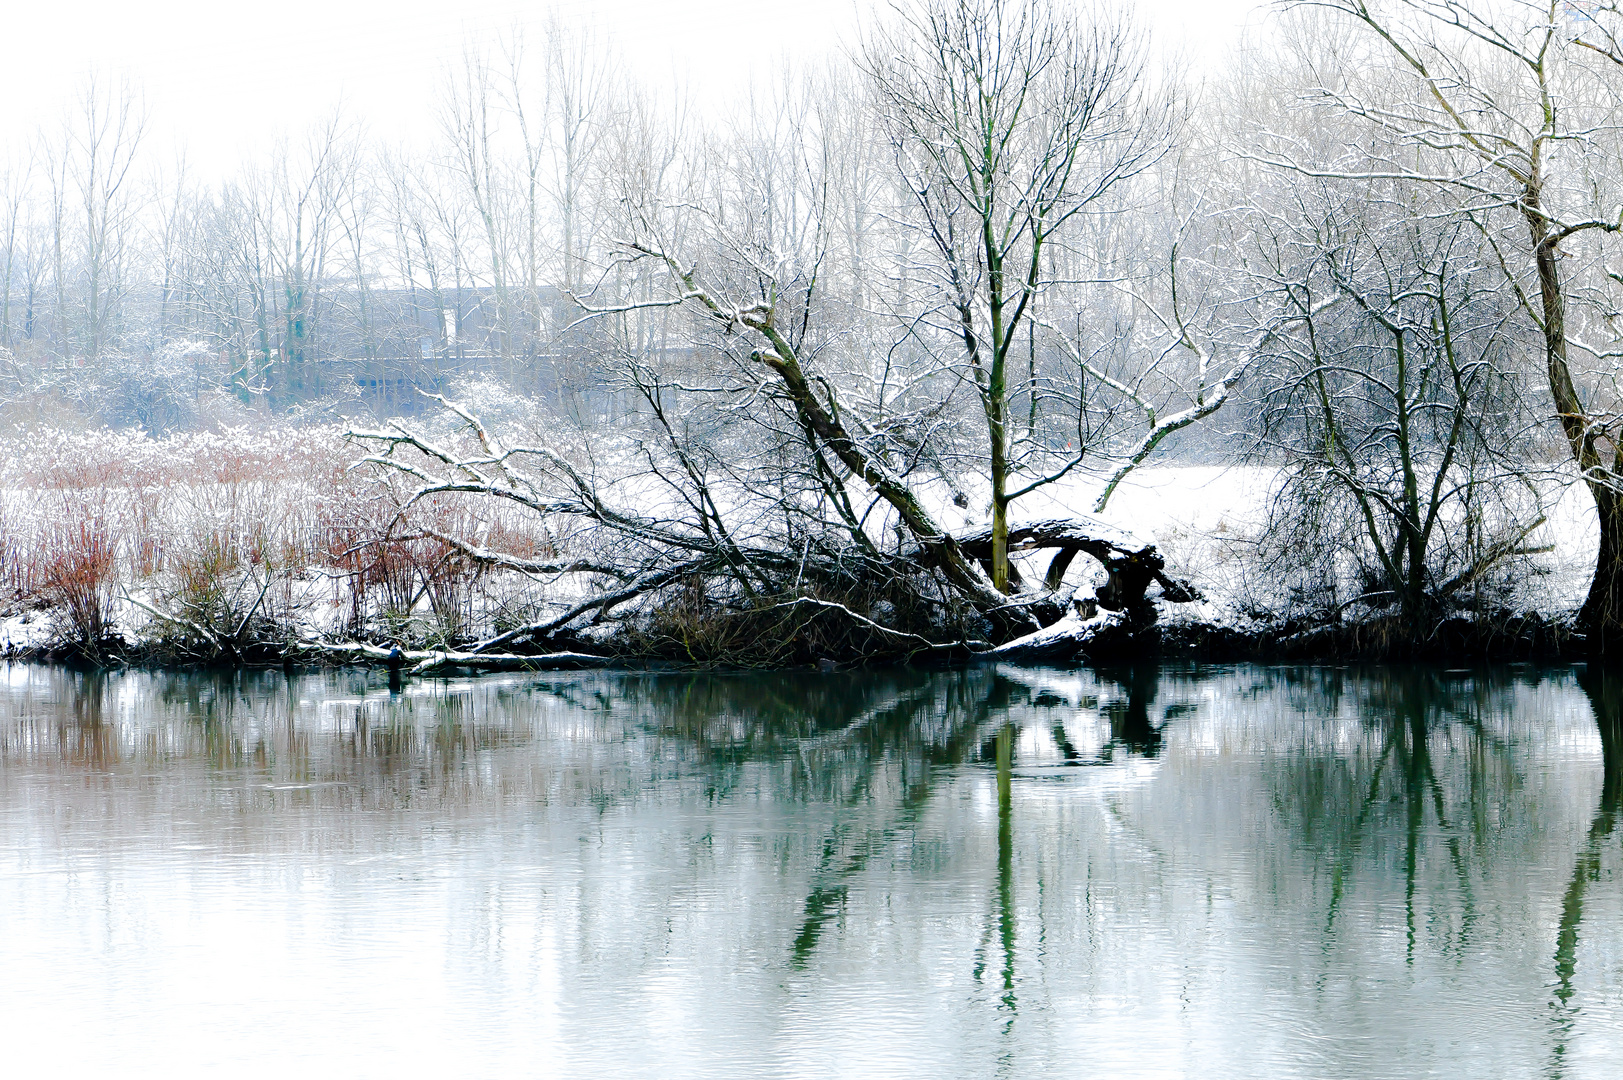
(1605, 692)
(1409, 707)
(1332, 867)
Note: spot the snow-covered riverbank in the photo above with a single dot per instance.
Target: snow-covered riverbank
(250, 544)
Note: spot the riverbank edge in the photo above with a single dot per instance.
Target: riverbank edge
(1456, 638)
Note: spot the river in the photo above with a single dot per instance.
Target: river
(1234, 871)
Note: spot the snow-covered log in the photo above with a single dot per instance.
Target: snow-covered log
(1071, 638)
(555, 661)
(430, 661)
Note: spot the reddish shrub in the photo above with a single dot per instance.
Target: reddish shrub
(77, 577)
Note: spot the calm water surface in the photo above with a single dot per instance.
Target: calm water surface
(1246, 872)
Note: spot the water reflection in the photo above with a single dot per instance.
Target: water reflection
(1605, 692)
(1239, 871)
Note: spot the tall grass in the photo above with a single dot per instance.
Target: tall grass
(193, 526)
(220, 545)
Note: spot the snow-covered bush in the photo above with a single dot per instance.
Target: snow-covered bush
(158, 391)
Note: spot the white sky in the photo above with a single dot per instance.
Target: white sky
(217, 76)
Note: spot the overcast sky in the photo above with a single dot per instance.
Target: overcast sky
(217, 77)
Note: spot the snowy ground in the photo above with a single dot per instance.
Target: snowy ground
(1204, 520)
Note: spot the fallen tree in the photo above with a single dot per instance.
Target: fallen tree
(782, 595)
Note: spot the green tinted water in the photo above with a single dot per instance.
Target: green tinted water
(1248, 872)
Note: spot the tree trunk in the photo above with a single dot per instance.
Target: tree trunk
(1602, 614)
(1601, 617)
(1000, 543)
(1009, 621)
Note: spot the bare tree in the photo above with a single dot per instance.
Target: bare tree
(419, 257)
(581, 83)
(1397, 414)
(297, 214)
(14, 206)
(175, 208)
(1008, 119)
(1491, 108)
(472, 123)
(94, 206)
